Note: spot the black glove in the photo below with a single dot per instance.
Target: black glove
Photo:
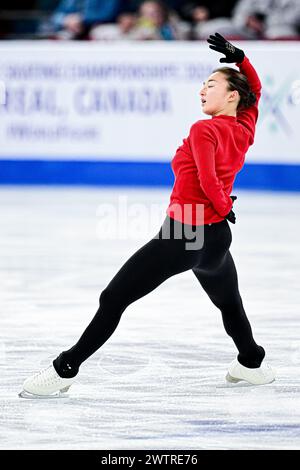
(231, 217)
(219, 44)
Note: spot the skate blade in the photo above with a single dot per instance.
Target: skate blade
(232, 380)
(32, 396)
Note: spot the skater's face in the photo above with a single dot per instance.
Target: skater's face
(216, 98)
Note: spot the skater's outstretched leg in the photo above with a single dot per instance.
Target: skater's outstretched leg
(221, 285)
(150, 266)
(144, 271)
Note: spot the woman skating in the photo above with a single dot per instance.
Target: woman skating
(205, 166)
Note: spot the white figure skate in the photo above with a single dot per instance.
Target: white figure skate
(46, 384)
(264, 374)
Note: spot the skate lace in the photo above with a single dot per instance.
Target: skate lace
(47, 376)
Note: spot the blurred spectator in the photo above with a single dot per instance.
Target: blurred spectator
(74, 18)
(155, 21)
(123, 29)
(209, 16)
(193, 10)
(271, 19)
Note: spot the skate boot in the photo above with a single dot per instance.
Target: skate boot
(261, 375)
(46, 384)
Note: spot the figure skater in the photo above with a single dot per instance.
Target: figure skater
(205, 167)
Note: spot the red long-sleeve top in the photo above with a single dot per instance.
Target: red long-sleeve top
(206, 164)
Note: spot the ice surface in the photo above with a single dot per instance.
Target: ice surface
(158, 383)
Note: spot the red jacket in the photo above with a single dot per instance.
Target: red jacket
(206, 164)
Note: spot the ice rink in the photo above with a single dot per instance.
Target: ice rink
(159, 381)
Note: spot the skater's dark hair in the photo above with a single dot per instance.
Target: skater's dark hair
(238, 81)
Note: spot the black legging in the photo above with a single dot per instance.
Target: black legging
(150, 266)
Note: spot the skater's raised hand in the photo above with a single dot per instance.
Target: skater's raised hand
(232, 53)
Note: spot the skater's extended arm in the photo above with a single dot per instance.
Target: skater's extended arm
(247, 116)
